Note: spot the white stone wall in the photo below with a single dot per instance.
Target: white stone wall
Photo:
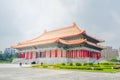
(54, 60)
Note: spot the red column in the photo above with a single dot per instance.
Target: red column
(100, 55)
(27, 54)
(44, 53)
(87, 53)
(61, 53)
(76, 53)
(56, 53)
(94, 55)
(80, 53)
(73, 53)
(70, 53)
(91, 55)
(40, 54)
(83, 53)
(67, 54)
(19, 55)
(97, 55)
(24, 54)
(31, 55)
(36, 54)
(50, 53)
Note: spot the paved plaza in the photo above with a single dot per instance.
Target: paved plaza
(14, 72)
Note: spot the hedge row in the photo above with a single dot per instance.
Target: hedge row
(75, 67)
(84, 67)
(106, 63)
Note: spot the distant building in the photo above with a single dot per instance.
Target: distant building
(119, 54)
(109, 53)
(10, 50)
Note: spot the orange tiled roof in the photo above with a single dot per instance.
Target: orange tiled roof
(35, 43)
(59, 33)
(55, 36)
(71, 42)
(90, 43)
(100, 40)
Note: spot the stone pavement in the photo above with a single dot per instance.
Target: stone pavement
(14, 72)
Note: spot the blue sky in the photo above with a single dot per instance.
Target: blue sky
(21, 20)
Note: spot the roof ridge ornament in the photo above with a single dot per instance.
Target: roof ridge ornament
(45, 31)
(74, 24)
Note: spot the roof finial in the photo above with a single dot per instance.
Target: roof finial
(74, 24)
(45, 31)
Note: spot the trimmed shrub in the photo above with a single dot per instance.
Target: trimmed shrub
(106, 63)
(98, 68)
(63, 64)
(96, 65)
(87, 64)
(76, 67)
(71, 64)
(91, 64)
(78, 64)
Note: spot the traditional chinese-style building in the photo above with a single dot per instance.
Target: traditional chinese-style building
(69, 44)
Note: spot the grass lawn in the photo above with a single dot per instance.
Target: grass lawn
(78, 68)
